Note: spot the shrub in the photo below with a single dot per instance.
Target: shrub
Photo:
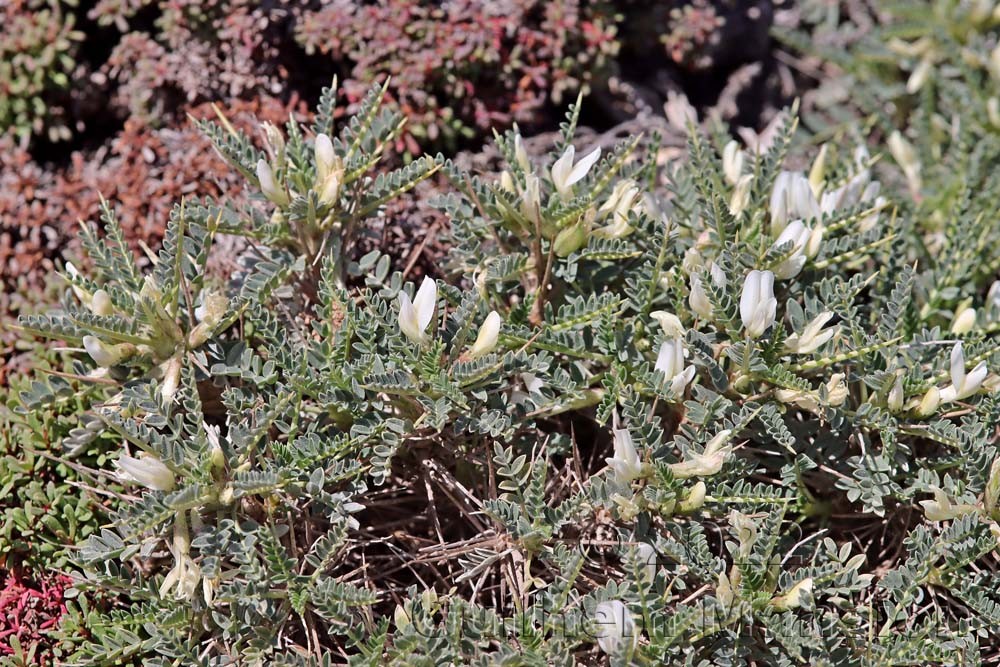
(331, 463)
(38, 44)
(461, 68)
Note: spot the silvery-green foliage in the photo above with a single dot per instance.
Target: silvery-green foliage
(685, 412)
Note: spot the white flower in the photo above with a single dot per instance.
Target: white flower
(741, 195)
(565, 174)
(836, 390)
(698, 297)
(146, 470)
(670, 361)
(797, 234)
(616, 632)
(268, 185)
(961, 325)
(791, 198)
(100, 303)
(625, 464)
(757, 303)
(489, 332)
(623, 199)
(414, 316)
(670, 323)
(813, 336)
(81, 294)
(732, 161)
(847, 195)
(105, 355)
(709, 462)
(836, 394)
(794, 597)
(185, 574)
(962, 385)
(941, 508)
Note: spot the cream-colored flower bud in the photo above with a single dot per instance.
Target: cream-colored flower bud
(531, 202)
(489, 333)
(275, 140)
(692, 260)
(572, 238)
(171, 378)
(964, 322)
(100, 303)
(741, 195)
(896, 396)
(991, 496)
(732, 161)
(507, 182)
(994, 64)
(214, 306)
(795, 597)
(521, 154)
(329, 192)
(326, 157)
(268, 185)
(963, 385)
(929, 403)
(906, 156)
(694, 500)
(921, 73)
(817, 174)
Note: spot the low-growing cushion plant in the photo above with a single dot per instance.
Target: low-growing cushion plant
(709, 413)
